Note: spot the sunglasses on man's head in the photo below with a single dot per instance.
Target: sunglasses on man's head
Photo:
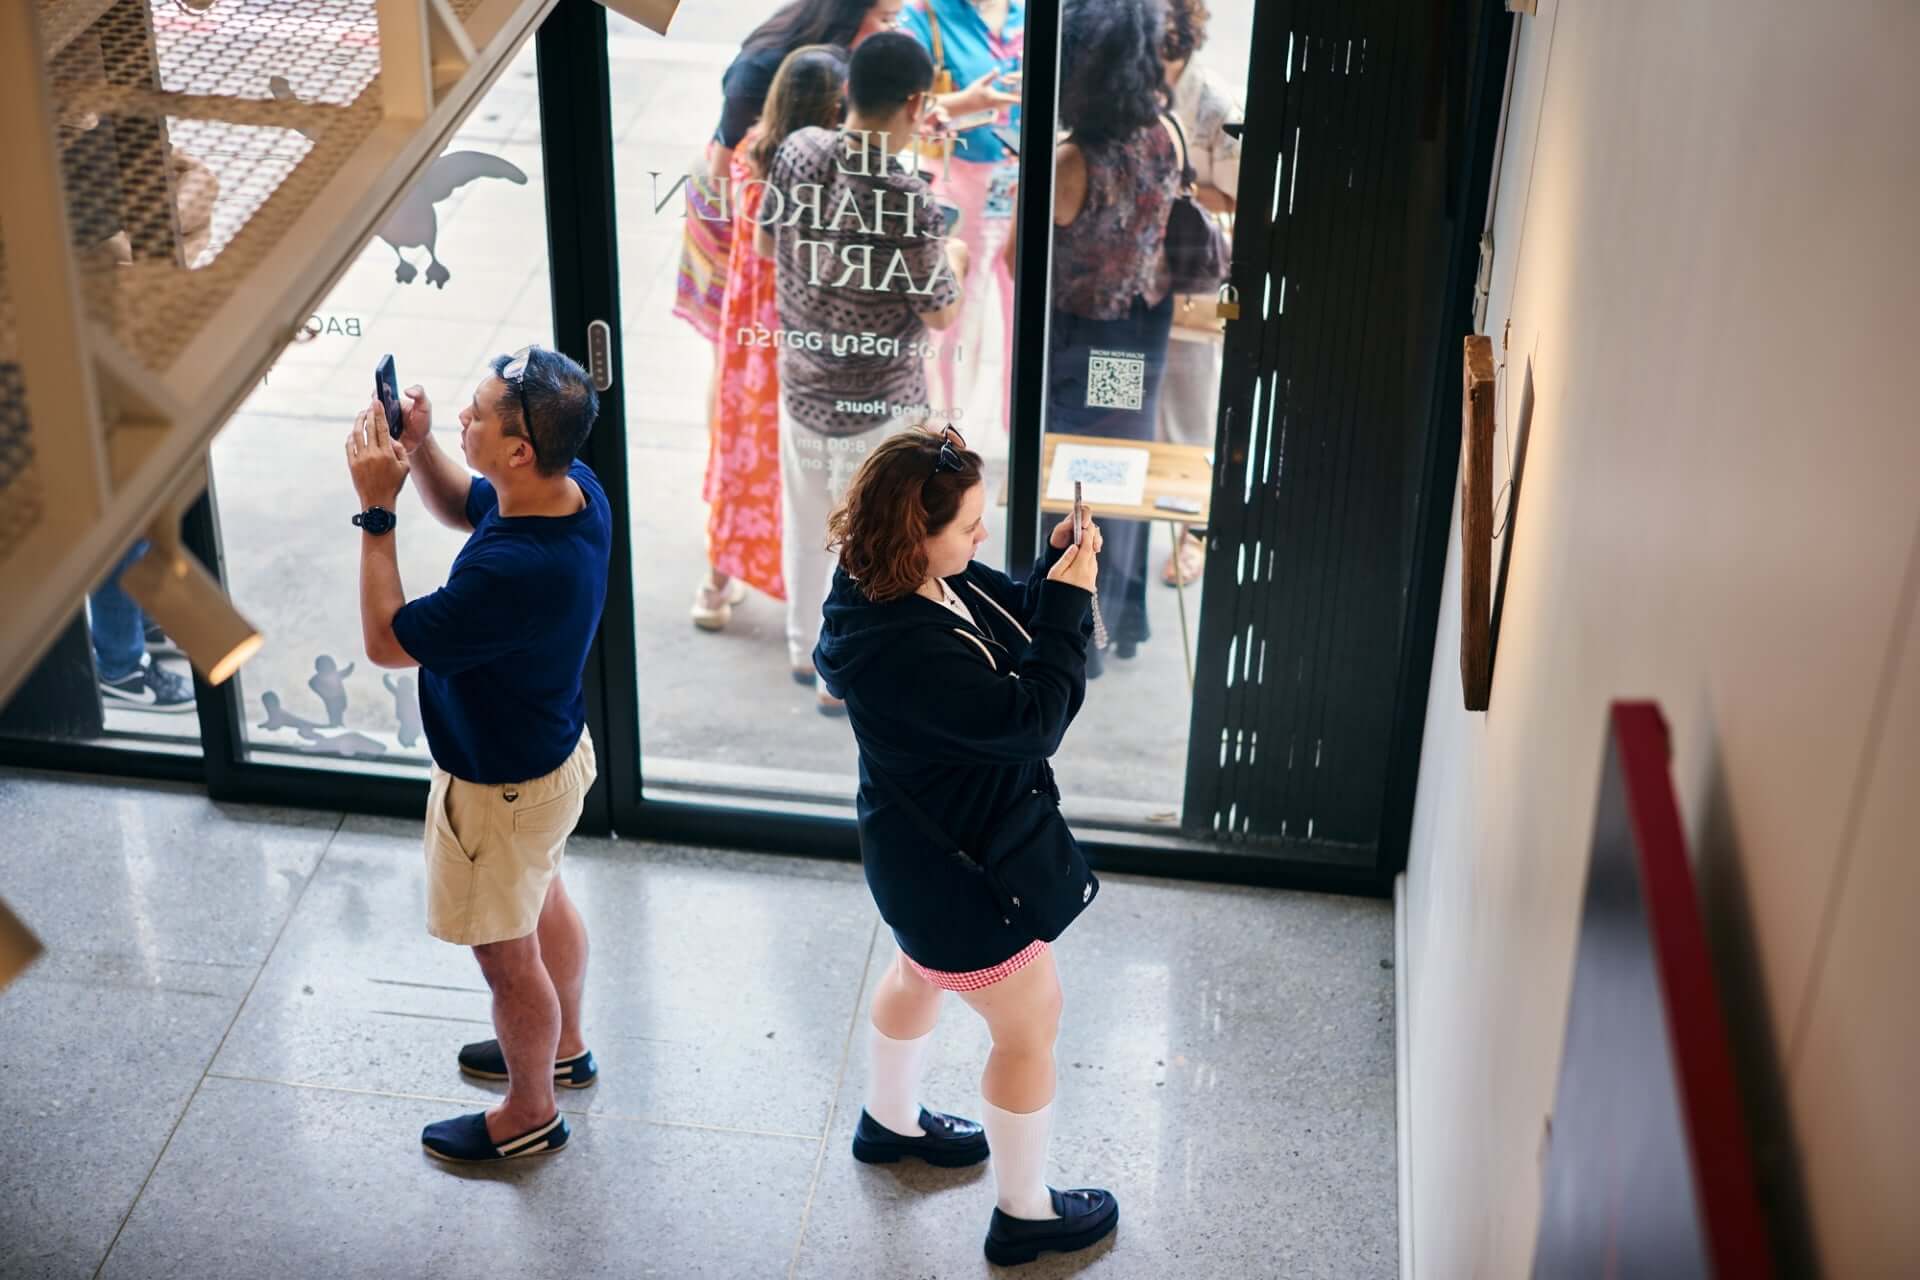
(514, 373)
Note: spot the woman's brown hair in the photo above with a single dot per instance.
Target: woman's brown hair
(807, 91)
(1186, 29)
(899, 498)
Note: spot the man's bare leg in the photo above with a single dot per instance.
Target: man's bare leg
(563, 949)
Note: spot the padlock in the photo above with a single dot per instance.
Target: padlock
(1228, 308)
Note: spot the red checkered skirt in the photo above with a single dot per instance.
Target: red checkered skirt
(980, 979)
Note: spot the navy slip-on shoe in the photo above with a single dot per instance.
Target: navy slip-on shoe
(950, 1142)
(464, 1140)
(483, 1060)
(1087, 1217)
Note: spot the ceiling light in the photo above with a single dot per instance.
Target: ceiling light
(18, 947)
(177, 592)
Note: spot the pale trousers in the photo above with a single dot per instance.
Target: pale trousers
(815, 471)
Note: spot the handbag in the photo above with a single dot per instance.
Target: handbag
(1198, 259)
(1030, 864)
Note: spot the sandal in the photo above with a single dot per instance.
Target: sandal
(1187, 563)
(713, 606)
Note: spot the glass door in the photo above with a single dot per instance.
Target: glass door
(1134, 362)
(456, 275)
(729, 533)
(1260, 700)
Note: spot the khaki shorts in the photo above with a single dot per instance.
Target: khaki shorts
(492, 850)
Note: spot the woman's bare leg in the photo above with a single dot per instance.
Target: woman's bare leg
(1023, 1013)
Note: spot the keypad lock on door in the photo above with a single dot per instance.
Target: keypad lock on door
(600, 354)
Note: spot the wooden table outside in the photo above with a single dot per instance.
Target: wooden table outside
(1179, 471)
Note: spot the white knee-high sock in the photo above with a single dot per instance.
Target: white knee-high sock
(1019, 1144)
(893, 1084)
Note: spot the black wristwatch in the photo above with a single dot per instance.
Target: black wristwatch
(375, 520)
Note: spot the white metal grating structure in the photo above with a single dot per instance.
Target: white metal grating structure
(183, 181)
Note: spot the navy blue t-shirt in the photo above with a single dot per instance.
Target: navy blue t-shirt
(502, 647)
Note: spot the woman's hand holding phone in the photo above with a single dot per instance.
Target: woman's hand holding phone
(1063, 532)
(1080, 566)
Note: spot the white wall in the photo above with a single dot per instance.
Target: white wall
(1709, 245)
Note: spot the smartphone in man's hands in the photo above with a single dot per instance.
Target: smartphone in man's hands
(386, 388)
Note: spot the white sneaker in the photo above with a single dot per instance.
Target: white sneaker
(150, 688)
(713, 609)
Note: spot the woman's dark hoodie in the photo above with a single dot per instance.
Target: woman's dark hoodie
(962, 718)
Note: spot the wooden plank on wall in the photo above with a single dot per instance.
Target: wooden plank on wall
(1476, 520)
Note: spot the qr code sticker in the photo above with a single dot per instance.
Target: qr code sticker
(1116, 380)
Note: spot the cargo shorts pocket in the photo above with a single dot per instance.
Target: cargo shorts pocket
(452, 829)
(555, 817)
(454, 839)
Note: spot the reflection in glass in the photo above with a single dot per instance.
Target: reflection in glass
(1133, 352)
(455, 276)
(723, 126)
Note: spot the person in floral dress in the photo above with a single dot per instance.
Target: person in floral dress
(743, 462)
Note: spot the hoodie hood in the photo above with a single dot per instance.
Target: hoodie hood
(854, 631)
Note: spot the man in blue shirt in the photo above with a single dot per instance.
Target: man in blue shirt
(502, 649)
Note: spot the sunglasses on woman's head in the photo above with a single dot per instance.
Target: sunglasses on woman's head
(951, 442)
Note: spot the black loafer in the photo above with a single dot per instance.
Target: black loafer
(1086, 1218)
(950, 1142)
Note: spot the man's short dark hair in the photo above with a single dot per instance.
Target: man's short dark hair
(887, 69)
(561, 402)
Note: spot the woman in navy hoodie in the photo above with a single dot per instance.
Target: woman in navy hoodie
(959, 683)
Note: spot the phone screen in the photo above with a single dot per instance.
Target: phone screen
(1079, 515)
(386, 386)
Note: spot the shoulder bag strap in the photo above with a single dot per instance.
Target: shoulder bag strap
(1188, 174)
(943, 81)
(927, 825)
(933, 26)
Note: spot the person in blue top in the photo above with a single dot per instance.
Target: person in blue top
(502, 649)
(977, 44)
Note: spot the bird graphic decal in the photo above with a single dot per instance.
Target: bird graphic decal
(413, 223)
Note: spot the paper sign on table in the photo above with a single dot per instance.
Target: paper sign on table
(1109, 475)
